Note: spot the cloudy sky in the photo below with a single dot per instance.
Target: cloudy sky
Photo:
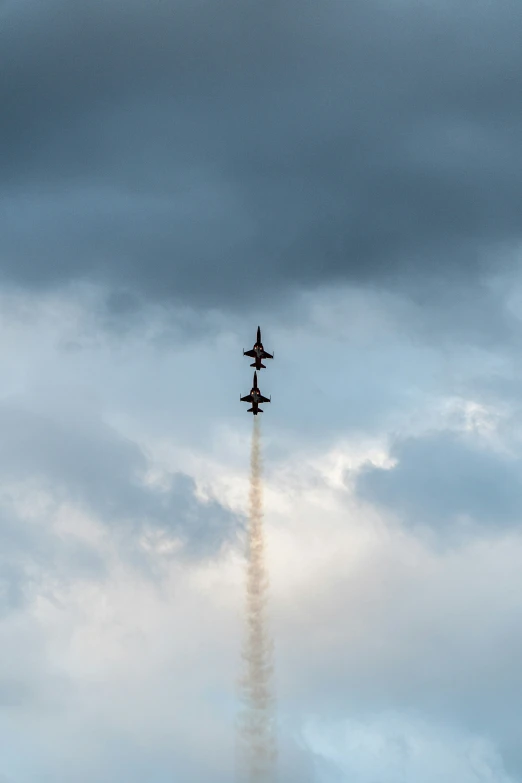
(348, 174)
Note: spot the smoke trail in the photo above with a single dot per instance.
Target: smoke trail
(256, 728)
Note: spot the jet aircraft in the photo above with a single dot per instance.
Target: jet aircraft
(258, 353)
(255, 397)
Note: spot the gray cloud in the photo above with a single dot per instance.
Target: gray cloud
(31, 554)
(170, 148)
(82, 463)
(442, 477)
(86, 463)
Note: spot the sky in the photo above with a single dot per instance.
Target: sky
(347, 175)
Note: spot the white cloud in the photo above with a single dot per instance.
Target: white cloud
(124, 669)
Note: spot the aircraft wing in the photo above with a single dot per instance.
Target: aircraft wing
(248, 398)
(267, 355)
(263, 399)
(250, 353)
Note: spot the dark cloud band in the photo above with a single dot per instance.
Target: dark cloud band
(200, 152)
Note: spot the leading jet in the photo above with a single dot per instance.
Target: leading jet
(258, 353)
(255, 397)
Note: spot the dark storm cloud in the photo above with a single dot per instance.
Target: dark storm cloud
(87, 463)
(167, 147)
(441, 477)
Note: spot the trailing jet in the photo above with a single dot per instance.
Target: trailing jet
(258, 353)
(255, 397)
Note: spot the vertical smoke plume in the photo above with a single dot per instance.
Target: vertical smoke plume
(256, 729)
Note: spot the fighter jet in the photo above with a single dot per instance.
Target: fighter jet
(258, 353)
(255, 397)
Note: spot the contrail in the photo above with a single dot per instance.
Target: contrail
(257, 740)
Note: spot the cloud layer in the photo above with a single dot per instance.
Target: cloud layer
(184, 151)
(344, 174)
(447, 480)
